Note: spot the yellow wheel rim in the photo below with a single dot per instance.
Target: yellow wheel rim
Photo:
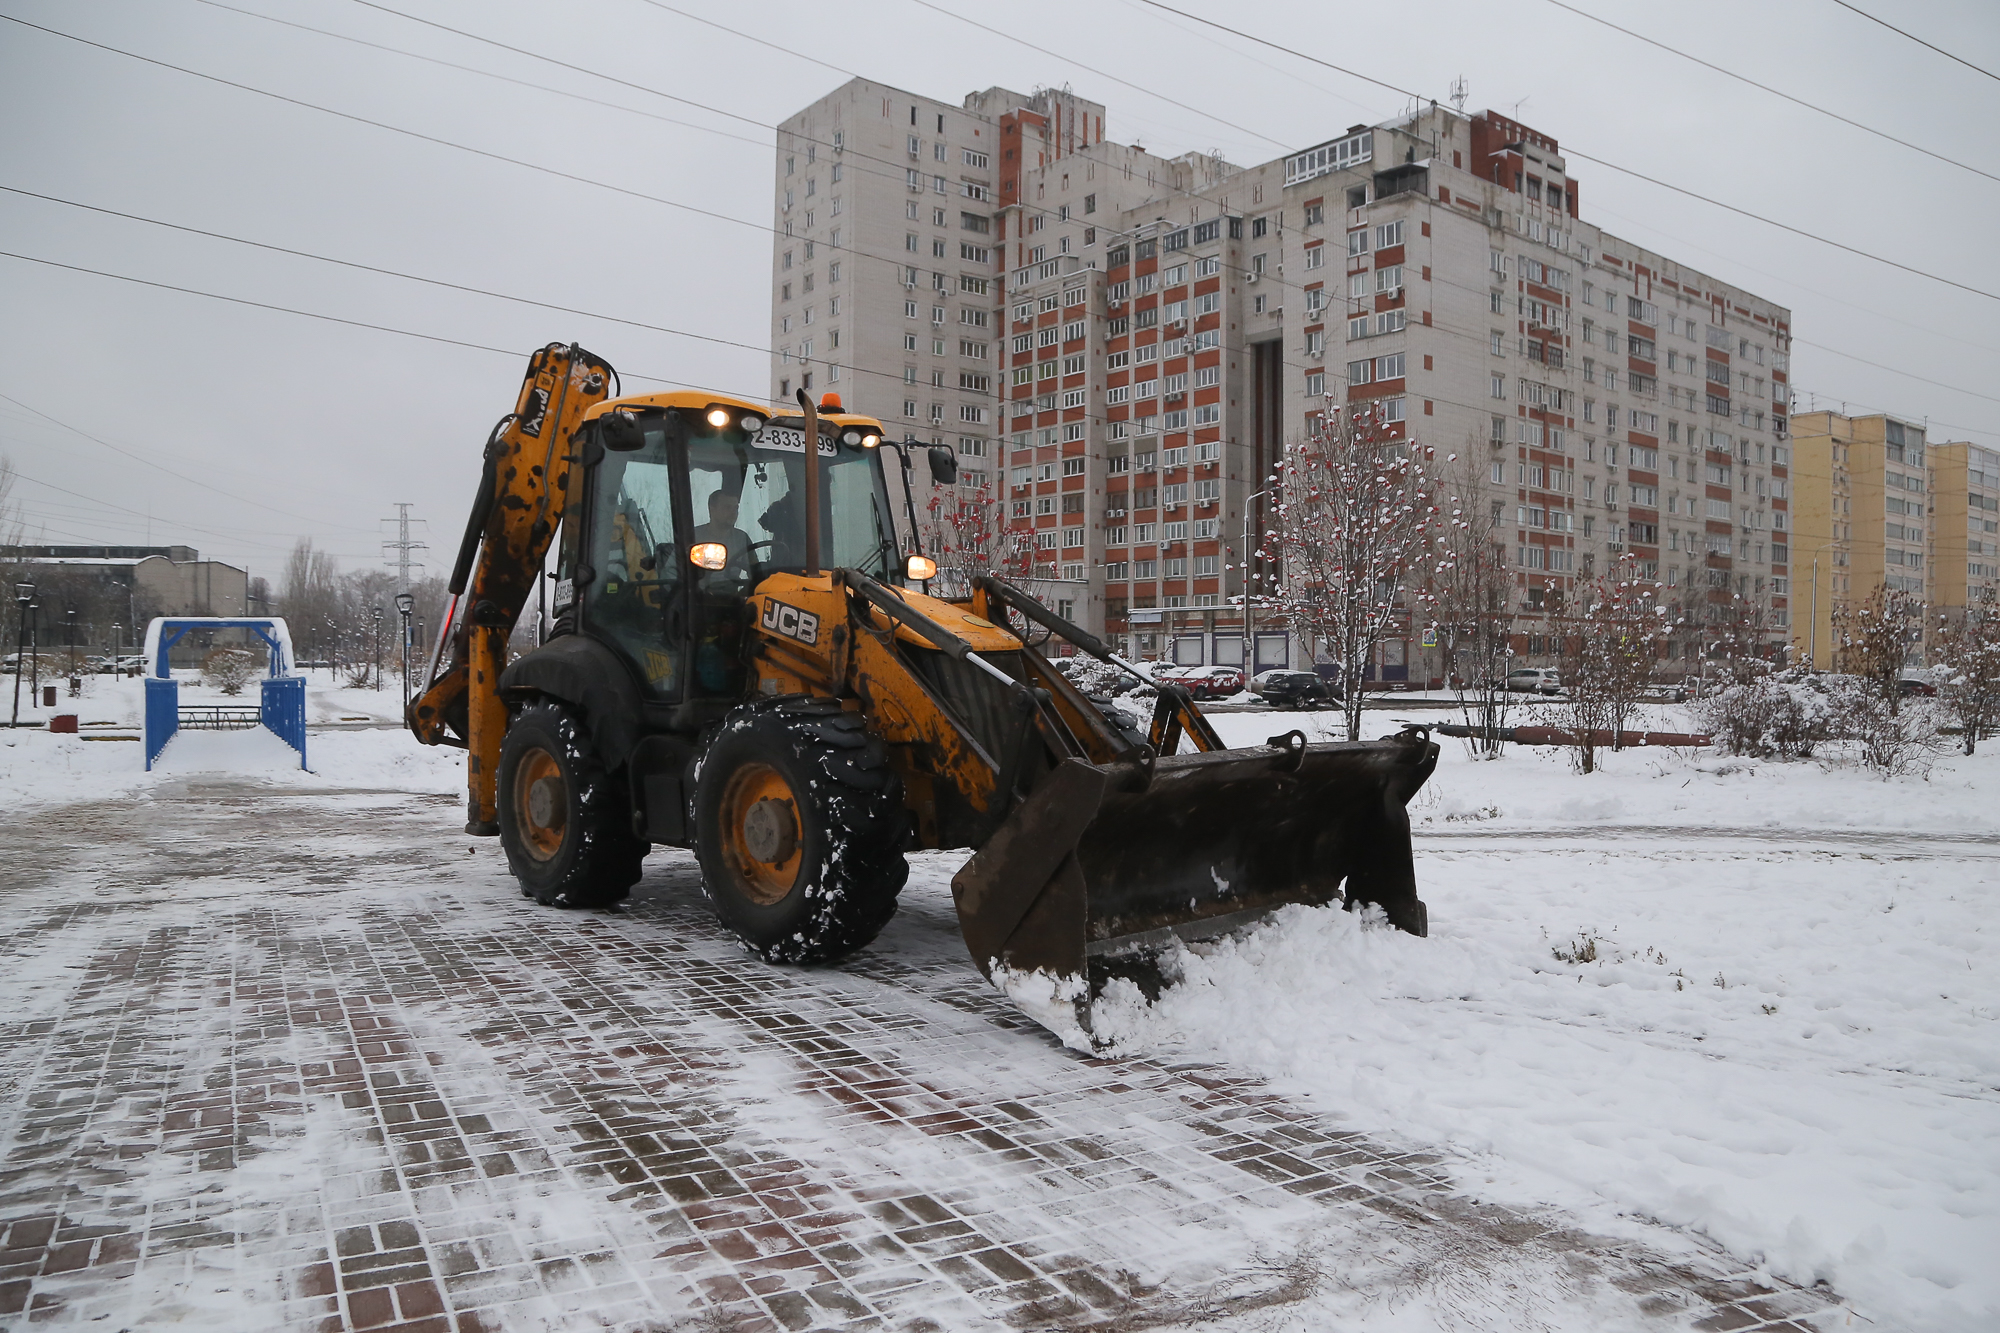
(541, 804)
(760, 833)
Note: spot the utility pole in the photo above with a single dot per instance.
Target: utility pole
(402, 546)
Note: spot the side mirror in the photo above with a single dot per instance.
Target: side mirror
(944, 465)
(620, 432)
(921, 568)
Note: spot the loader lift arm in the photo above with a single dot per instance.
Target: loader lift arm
(523, 491)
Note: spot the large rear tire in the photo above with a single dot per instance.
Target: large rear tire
(800, 830)
(565, 822)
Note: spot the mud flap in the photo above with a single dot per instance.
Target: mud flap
(1099, 868)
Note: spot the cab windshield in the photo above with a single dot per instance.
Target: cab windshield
(750, 496)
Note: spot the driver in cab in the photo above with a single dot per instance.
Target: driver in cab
(721, 530)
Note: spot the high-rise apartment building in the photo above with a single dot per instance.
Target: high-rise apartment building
(1123, 344)
(1965, 527)
(1877, 505)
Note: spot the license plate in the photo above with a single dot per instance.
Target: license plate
(791, 440)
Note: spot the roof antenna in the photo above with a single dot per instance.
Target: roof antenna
(1459, 89)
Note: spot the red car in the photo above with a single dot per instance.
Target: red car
(1216, 682)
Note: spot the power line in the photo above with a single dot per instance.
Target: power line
(897, 263)
(482, 73)
(393, 129)
(179, 476)
(1918, 40)
(774, 46)
(385, 272)
(1091, 69)
(1004, 405)
(1765, 87)
(564, 64)
(1571, 152)
(259, 305)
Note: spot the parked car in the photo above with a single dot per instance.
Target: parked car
(1533, 680)
(1212, 682)
(1912, 687)
(1294, 689)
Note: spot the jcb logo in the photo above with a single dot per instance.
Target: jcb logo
(791, 622)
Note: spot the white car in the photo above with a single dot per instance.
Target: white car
(1534, 680)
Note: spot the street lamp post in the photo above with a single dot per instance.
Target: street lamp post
(24, 595)
(404, 601)
(378, 648)
(69, 633)
(34, 654)
(1249, 643)
(1812, 634)
(117, 648)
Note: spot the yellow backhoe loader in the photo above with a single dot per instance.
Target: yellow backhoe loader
(743, 662)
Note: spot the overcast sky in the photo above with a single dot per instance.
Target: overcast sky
(281, 425)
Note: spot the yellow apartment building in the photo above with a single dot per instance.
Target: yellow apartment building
(1965, 527)
(1861, 518)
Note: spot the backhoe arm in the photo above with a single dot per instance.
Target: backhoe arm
(523, 489)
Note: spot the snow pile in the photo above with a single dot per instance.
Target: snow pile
(1640, 1000)
(39, 768)
(251, 750)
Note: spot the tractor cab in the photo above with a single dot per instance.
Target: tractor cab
(689, 503)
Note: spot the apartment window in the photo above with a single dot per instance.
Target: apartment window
(1388, 234)
(1357, 242)
(1389, 367)
(1497, 386)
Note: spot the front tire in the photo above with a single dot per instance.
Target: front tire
(800, 830)
(565, 821)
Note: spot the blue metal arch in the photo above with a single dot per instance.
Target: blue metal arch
(174, 628)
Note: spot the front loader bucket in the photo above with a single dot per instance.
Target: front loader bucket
(1099, 867)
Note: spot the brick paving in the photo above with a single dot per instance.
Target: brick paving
(276, 1060)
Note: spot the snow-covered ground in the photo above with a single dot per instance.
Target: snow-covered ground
(354, 738)
(1758, 1002)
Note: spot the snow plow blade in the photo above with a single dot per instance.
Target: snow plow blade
(1102, 865)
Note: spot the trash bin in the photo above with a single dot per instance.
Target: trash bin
(64, 723)
(48, 696)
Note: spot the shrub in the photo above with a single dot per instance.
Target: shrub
(1894, 741)
(1783, 716)
(228, 669)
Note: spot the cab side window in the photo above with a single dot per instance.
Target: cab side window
(639, 567)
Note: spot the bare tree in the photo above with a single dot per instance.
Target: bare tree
(1359, 538)
(966, 532)
(1609, 633)
(1968, 648)
(1473, 611)
(310, 603)
(1872, 639)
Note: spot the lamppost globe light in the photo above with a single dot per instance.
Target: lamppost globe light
(403, 603)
